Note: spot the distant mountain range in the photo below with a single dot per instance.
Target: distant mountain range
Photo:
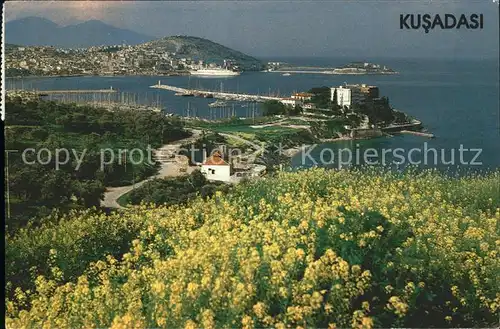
(37, 31)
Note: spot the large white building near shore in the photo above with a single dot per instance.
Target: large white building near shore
(349, 95)
(344, 96)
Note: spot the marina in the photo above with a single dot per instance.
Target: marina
(412, 91)
(110, 99)
(77, 91)
(215, 94)
(218, 104)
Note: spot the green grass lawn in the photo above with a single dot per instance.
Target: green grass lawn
(123, 200)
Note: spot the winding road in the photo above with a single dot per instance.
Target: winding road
(167, 169)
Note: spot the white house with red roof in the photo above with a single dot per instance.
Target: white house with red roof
(291, 101)
(302, 96)
(215, 168)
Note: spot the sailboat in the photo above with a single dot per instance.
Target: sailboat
(217, 104)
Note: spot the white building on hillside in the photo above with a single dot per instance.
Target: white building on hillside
(215, 168)
(302, 96)
(343, 96)
(349, 95)
(291, 101)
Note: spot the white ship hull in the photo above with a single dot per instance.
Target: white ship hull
(215, 73)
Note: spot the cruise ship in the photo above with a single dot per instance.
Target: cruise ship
(215, 72)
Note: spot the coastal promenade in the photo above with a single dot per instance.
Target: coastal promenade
(216, 94)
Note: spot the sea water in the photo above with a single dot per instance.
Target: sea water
(457, 101)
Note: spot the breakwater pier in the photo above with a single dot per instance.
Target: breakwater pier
(417, 133)
(412, 128)
(333, 72)
(415, 125)
(216, 94)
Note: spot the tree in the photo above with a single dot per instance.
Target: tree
(297, 109)
(273, 107)
(377, 110)
(334, 100)
(38, 189)
(39, 133)
(173, 190)
(208, 190)
(272, 159)
(197, 179)
(400, 117)
(321, 96)
(89, 193)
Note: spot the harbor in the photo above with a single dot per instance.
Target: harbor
(215, 94)
(110, 99)
(77, 91)
(403, 96)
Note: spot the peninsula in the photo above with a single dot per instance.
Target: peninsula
(322, 114)
(353, 68)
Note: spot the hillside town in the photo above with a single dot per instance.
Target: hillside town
(159, 57)
(144, 59)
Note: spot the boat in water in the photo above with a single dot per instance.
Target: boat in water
(286, 74)
(218, 104)
(214, 73)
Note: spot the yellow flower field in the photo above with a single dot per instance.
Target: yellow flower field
(315, 248)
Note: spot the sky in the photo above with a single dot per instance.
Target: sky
(312, 28)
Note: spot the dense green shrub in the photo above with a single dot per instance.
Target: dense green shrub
(350, 248)
(86, 132)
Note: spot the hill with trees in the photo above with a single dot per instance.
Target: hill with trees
(36, 130)
(203, 49)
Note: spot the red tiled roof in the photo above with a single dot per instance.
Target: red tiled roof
(215, 160)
